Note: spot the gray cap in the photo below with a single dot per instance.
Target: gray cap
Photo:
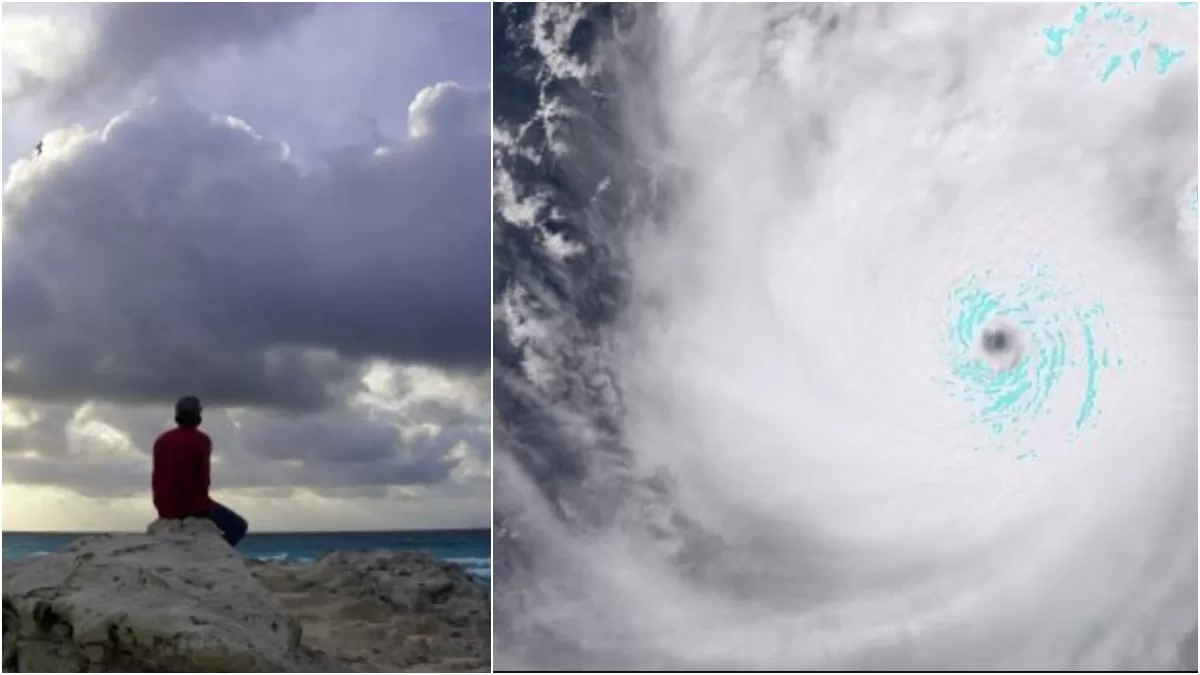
(188, 404)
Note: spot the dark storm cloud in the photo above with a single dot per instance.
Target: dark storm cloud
(308, 439)
(87, 477)
(322, 439)
(133, 40)
(181, 252)
(331, 452)
(96, 476)
(342, 451)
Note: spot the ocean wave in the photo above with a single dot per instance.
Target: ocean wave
(836, 337)
(18, 554)
(479, 566)
(284, 558)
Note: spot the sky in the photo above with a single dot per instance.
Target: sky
(281, 209)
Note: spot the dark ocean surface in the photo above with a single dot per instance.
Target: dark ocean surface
(469, 548)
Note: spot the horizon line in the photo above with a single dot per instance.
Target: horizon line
(252, 532)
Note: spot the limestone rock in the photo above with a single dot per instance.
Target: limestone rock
(175, 599)
(387, 611)
(179, 599)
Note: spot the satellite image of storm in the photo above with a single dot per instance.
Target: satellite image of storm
(845, 337)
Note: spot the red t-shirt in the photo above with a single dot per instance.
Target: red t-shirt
(180, 479)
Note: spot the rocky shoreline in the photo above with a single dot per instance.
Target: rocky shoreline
(178, 599)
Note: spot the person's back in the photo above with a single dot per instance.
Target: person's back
(180, 478)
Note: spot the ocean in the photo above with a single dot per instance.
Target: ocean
(470, 549)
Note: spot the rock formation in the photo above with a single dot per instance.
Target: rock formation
(386, 611)
(179, 599)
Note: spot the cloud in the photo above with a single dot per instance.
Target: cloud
(34, 507)
(378, 440)
(127, 42)
(448, 106)
(331, 307)
(33, 428)
(178, 251)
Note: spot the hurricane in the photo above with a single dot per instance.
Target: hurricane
(835, 336)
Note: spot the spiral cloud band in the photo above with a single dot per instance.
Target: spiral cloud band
(848, 337)
(1011, 352)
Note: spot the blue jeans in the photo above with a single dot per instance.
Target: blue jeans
(232, 526)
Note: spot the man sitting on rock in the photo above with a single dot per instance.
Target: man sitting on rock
(181, 474)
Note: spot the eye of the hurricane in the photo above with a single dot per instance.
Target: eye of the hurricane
(1027, 351)
(996, 341)
(1000, 346)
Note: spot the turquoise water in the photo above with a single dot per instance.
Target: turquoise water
(1059, 333)
(1115, 35)
(472, 549)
